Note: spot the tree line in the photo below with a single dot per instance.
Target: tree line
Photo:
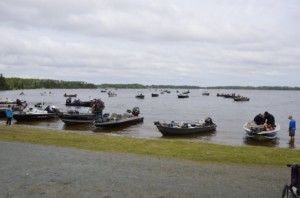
(21, 83)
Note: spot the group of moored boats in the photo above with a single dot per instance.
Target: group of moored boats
(234, 97)
(38, 113)
(22, 113)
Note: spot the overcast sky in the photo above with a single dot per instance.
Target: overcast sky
(168, 42)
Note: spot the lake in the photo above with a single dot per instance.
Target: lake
(226, 113)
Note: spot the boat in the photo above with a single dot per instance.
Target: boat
(140, 96)
(185, 128)
(116, 120)
(16, 105)
(46, 93)
(241, 98)
(34, 114)
(76, 117)
(79, 103)
(186, 92)
(205, 93)
(154, 94)
(70, 95)
(182, 95)
(259, 132)
(111, 94)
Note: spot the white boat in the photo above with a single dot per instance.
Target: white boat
(111, 94)
(35, 114)
(258, 131)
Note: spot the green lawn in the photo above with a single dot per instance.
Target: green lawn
(179, 149)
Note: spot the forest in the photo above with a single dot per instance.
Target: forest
(21, 83)
(24, 83)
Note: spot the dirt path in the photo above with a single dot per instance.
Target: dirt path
(29, 170)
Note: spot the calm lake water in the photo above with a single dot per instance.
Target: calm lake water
(227, 114)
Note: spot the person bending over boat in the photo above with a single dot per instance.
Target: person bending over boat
(270, 120)
(259, 119)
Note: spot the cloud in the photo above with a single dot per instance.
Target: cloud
(193, 42)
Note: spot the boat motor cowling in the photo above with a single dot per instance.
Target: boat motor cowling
(69, 100)
(135, 111)
(208, 121)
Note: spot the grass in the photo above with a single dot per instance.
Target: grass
(177, 149)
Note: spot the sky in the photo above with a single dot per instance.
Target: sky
(152, 42)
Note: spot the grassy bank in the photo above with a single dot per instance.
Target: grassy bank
(187, 150)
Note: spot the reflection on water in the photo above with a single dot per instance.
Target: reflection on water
(292, 143)
(199, 136)
(50, 123)
(78, 127)
(267, 142)
(227, 114)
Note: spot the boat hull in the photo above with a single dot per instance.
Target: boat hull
(120, 122)
(166, 130)
(182, 96)
(76, 118)
(34, 117)
(241, 99)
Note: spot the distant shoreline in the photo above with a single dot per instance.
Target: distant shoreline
(12, 83)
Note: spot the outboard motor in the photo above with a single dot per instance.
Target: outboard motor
(39, 105)
(19, 102)
(51, 109)
(135, 111)
(68, 101)
(208, 121)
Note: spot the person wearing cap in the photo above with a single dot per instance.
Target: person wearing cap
(292, 128)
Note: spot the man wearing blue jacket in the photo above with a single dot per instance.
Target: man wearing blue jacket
(292, 128)
(9, 115)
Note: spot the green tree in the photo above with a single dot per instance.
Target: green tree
(3, 85)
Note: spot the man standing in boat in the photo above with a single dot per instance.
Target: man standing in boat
(97, 108)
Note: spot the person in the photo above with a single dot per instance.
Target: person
(259, 119)
(270, 119)
(97, 108)
(292, 128)
(9, 115)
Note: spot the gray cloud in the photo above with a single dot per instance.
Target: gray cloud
(206, 43)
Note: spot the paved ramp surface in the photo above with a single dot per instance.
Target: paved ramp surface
(29, 170)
